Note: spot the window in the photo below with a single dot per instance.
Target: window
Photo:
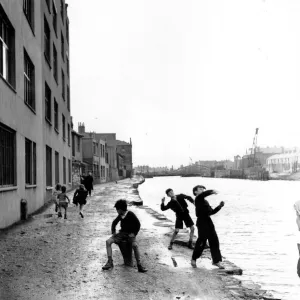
(55, 115)
(29, 84)
(28, 8)
(54, 17)
(69, 139)
(48, 5)
(63, 84)
(64, 127)
(7, 49)
(7, 156)
(78, 144)
(47, 50)
(56, 167)
(62, 10)
(47, 103)
(30, 162)
(68, 98)
(94, 146)
(67, 30)
(55, 64)
(69, 168)
(62, 46)
(73, 144)
(48, 166)
(64, 171)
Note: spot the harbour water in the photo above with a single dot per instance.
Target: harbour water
(256, 227)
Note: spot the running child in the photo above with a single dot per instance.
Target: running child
(63, 201)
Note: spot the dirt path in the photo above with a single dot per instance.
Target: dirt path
(51, 258)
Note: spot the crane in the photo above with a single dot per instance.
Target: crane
(253, 149)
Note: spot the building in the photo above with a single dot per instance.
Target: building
(112, 163)
(78, 166)
(117, 164)
(35, 143)
(286, 162)
(125, 149)
(94, 154)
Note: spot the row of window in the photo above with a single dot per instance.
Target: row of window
(48, 115)
(56, 174)
(8, 161)
(47, 53)
(7, 63)
(28, 8)
(102, 149)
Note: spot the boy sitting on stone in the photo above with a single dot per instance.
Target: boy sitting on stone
(130, 226)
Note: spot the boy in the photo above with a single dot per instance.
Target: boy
(130, 226)
(206, 228)
(62, 202)
(180, 207)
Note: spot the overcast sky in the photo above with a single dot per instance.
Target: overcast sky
(187, 78)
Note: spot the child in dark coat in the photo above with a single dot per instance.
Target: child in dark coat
(130, 226)
(79, 198)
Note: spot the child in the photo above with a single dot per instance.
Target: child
(55, 193)
(62, 201)
(180, 207)
(130, 226)
(206, 228)
(80, 198)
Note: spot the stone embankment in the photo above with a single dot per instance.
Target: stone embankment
(51, 258)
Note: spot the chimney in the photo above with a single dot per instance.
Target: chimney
(81, 128)
(130, 142)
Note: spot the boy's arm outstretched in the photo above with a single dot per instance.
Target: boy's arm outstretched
(189, 198)
(163, 206)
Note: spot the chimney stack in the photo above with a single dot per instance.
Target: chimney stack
(81, 128)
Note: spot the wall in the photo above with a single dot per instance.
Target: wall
(52, 138)
(16, 115)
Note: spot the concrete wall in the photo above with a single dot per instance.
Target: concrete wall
(29, 124)
(19, 117)
(52, 138)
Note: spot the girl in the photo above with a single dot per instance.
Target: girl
(55, 193)
(62, 202)
(80, 198)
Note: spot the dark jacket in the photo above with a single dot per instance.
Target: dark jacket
(178, 205)
(80, 196)
(130, 224)
(204, 210)
(88, 182)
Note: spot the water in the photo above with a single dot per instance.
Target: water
(256, 227)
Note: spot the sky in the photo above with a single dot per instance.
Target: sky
(187, 79)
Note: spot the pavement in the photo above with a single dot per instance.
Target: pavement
(52, 258)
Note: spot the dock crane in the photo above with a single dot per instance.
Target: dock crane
(253, 149)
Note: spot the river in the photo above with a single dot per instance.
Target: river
(256, 227)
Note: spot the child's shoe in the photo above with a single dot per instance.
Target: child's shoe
(59, 214)
(170, 246)
(81, 214)
(108, 265)
(66, 217)
(142, 269)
